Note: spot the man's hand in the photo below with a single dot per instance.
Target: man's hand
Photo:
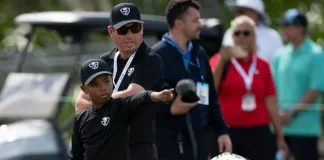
(224, 143)
(180, 108)
(285, 117)
(165, 95)
(281, 144)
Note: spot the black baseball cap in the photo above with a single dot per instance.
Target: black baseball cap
(293, 17)
(93, 68)
(124, 13)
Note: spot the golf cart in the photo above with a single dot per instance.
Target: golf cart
(34, 82)
(28, 111)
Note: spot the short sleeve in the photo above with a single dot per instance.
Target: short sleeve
(269, 81)
(317, 72)
(151, 73)
(214, 60)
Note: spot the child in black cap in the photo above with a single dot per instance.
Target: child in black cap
(99, 131)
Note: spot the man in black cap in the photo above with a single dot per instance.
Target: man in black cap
(135, 68)
(298, 71)
(98, 131)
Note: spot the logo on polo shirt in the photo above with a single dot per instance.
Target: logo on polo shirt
(130, 71)
(105, 121)
(94, 65)
(125, 11)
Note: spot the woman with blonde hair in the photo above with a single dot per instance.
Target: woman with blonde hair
(247, 94)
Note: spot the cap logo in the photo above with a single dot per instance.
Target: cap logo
(94, 65)
(125, 11)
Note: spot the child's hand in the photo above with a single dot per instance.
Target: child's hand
(165, 95)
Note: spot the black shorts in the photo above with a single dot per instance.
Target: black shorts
(303, 148)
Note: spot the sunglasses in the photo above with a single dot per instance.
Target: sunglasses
(135, 28)
(244, 33)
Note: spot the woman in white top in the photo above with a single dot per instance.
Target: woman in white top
(267, 39)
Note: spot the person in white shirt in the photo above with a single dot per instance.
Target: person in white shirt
(267, 39)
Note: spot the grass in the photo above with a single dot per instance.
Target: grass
(67, 111)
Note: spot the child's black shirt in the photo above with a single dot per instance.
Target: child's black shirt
(100, 134)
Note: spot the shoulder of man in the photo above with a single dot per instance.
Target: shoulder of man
(108, 56)
(152, 57)
(315, 47)
(161, 48)
(200, 51)
(283, 50)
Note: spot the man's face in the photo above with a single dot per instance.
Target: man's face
(291, 31)
(99, 89)
(128, 37)
(247, 12)
(244, 36)
(190, 23)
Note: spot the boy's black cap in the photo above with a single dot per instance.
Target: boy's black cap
(124, 13)
(293, 17)
(93, 68)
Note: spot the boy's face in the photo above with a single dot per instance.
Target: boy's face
(99, 89)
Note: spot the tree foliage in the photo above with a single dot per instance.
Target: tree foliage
(10, 9)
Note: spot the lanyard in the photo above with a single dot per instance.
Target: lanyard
(186, 55)
(198, 66)
(247, 78)
(121, 77)
(168, 40)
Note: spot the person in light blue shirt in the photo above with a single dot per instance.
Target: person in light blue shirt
(298, 71)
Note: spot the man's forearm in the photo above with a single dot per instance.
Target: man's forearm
(309, 98)
(132, 89)
(122, 94)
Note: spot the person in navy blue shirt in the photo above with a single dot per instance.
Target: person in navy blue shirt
(182, 129)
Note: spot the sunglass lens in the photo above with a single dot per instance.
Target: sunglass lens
(122, 30)
(246, 33)
(136, 28)
(237, 33)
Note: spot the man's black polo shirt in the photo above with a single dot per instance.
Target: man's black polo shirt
(147, 71)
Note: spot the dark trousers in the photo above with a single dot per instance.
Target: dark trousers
(254, 143)
(168, 149)
(303, 148)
